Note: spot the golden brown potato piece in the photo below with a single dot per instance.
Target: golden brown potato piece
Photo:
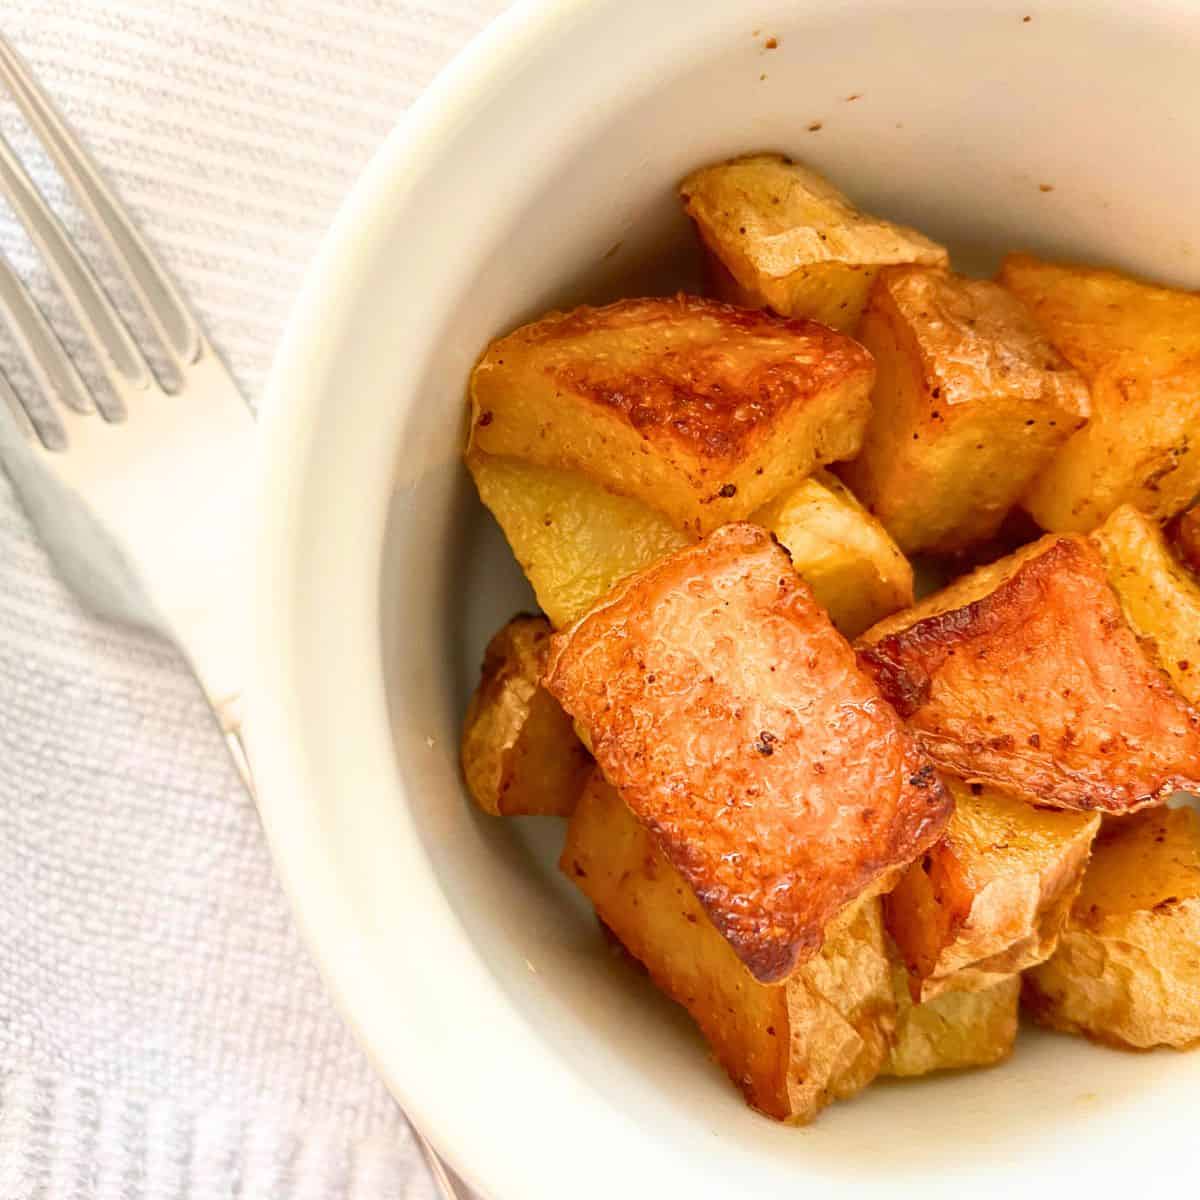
(520, 754)
(856, 572)
(954, 1030)
(791, 1048)
(721, 702)
(1138, 348)
(970, 403)
(1127, 969)
(990, 898)
(1025, 675)
(701, 410)
(573, 538)
(1185, 537)
(1160, 597)
(790, 240)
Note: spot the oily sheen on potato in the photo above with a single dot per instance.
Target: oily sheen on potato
(971, 401)
(990, 898)
(700, 410)
(1138, 348)
(1026, 676)
(788, 239)
(792, 1047)
(732, 717)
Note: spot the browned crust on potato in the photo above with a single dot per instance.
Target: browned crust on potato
(710, 402)
(1039, 686)
(791, 1048)
(702, 411)
(721, 702)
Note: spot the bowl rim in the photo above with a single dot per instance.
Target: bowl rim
(482, 1138)
(484, 1154)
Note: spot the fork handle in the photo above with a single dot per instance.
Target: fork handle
(230, 714)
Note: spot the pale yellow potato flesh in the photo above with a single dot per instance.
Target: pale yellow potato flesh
(991, 897)
(971, 401)
(1127, 968)
(1138, 347)
(955, 1030)
(793, 242)
(701, 410)
(792, 1047)
(856, 572)
(1159, 595)
(573, 538)
(519, 752)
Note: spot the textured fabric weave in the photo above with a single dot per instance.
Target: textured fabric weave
(162, 1031)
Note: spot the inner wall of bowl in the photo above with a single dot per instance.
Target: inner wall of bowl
(1060, 134)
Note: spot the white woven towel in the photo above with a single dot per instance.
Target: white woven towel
(162, 1031)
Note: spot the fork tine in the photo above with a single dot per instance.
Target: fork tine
(12, 402)
(173, 320)
(52, 366)
(114, 344)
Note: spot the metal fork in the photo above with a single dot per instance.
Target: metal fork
(166, 475)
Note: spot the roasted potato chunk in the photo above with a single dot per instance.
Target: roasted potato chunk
(990, 898)
(573, 538)
(954, 1030)
(1127, 969)
(721, 702)
(970, 403)
(1160, 597)
(791, 241)
(520, 754)
(856, 572)
(1138, 348)
(700, 410)
(791, 1048)
(1025, 675)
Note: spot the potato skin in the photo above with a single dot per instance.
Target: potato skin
(698, 409)
(728, 711)
(956, 1029)
(970, 403)
(1159, 596)
(790, 240)
(990, 898)
(519, 751)
(1127, 969)
(1026, 676)
(856, 572)
(573, 538)
(1138, 348)
(791, 1048)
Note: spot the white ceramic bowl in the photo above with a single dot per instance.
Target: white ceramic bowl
(539, 170)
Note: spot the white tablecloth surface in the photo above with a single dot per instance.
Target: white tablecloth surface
(163, 1033)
